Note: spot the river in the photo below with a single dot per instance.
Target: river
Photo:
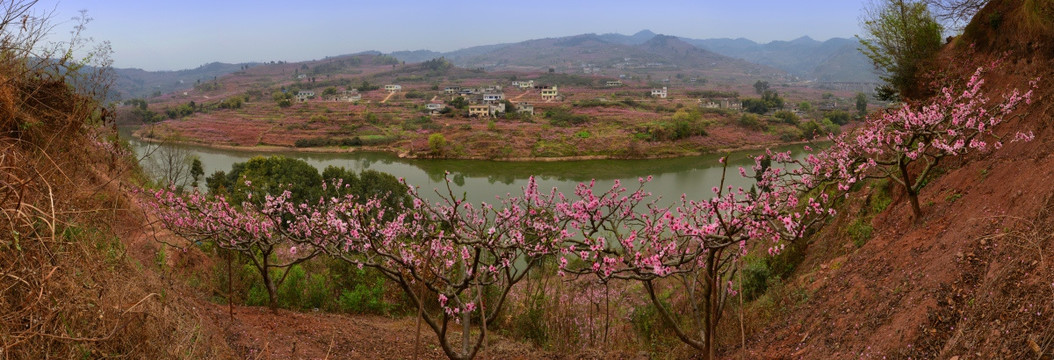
(482, 180)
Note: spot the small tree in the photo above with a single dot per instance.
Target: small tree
(902, 34)
(196, 171)
(861, 104)
(448, 253)
(761, 86)
(906, 144)
(258, 232)
(697, 242)
(436, 143)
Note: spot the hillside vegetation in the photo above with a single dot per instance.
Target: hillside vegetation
(69, 285)
(971, 278)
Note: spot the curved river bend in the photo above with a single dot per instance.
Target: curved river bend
(482, 180)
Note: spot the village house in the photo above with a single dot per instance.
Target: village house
(348, 96)
(493, 97)
(524, 108)
(550, 93)
(393, 88)
(452, 89)
(494, 109)
(304, 95)
(721, 103)
(613, 83)
(659, 93)
(478, 110)
(526, 84)
(434, 108)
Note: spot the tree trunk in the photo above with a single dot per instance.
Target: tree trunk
(269, 284)
(915, 209)
(913, 194)
(466, 318)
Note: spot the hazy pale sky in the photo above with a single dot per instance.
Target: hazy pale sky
(173, 35)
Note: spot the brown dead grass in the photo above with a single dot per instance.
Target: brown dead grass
(67, 288)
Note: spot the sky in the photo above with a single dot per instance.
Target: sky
(174, 35)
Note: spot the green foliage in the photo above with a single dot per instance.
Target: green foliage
(257, 295)
(751, 121)
(414, 94)
(365, 185)
(196, 171)
(530, 324)
(329, 91)
(757, 277)
(861, 104)
(761, 87)
(291, 291)
(208, 86)
(805, 106)
(459, 103)
(181, 110)
(901, 36)
(712, 94)
(268, 176)
(364, 299)
(563, 117)
(787, 117)
(770, 100)
(583, 134)
(436, 143)
(811, 129)
(860, 231)
(233, 102)
(420, 122)
(838, 117)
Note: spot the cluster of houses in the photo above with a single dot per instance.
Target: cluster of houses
(352, 95)
(487, 101)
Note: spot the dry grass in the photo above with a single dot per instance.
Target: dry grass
(67, 288)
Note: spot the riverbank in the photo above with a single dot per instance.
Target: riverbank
(403, 154)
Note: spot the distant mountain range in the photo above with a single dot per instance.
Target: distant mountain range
(834, 60)
(137, 83)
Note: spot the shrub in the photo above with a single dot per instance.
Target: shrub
(787, 117)
(860, 231)
(751, 121)
(291, 290)
(565, 118)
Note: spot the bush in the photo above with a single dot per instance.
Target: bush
(757, 277)
(787, 117)
(751, 121)
(291, 290)
(860, 231)
(530, 324)
(364, 298)
(565, 118)
(838, 117)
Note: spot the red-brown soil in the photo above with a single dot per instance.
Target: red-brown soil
(972, 279)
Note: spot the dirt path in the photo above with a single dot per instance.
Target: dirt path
(434, 97)
(259, 139)
(521, 95)
(388, 97)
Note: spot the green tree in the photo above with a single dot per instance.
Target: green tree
(901, 36)
(329, 91)
(787, 117)
(459, 102)
(436, 143)
(761, 87)
(253, 180)
(196, 171)
(861, 104)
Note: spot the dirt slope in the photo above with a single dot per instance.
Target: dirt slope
(974, 279)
